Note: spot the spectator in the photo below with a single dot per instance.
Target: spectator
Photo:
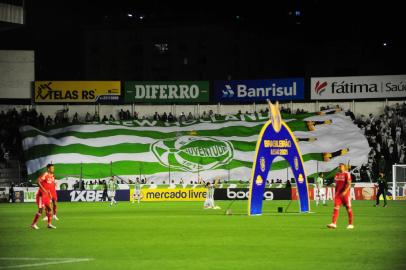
(121, 115)
(96, 117)
(128, 115)
(88, 117)
(171, 118)
(56, 120)
(157, 117)
(350, 114)
(182, 117)
(41, 120)
(164, 117)
(204, 115)
(75, 118)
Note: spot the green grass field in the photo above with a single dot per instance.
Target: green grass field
(185, 236)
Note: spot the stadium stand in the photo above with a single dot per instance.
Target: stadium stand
(385, 133)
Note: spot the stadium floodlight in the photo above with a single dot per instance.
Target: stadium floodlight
(398, 180)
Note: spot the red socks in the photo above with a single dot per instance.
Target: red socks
(36, 217)
(335, 215)
(349, 210)
(54, 208)
(49, 216)
(336, 211)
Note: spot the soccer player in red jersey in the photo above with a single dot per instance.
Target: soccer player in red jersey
(342, 196)
(44, 196)
(54, 197)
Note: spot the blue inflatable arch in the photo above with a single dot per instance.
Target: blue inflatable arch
(276, 139)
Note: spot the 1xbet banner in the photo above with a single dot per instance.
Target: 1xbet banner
(77, 91)
(259, 90)
(89, 195)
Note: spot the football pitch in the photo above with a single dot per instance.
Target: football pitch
(183, 235)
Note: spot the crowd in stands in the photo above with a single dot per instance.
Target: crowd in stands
(10, 141)
(12, 119)
(386, 136)
(91, 184)
(386, 133)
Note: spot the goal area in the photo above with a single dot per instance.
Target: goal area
(398, 188)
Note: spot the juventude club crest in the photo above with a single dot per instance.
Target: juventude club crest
(192, 153)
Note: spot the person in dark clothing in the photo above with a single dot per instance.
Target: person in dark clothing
(11, 194)
(382, 164)
(104, 196)
(382, 189)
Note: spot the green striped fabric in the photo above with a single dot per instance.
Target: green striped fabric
(221, 147)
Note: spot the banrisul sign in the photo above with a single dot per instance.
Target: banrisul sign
(166, 91)
(191, 153)
(358, 87)
(259, 90)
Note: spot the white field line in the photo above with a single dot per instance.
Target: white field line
(49, 261)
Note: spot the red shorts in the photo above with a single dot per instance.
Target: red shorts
(339, 200)
(54, 195)
(42, 200)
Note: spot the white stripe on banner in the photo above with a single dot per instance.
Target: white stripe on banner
(86, 128)
(112, 140)
(339, 127)
(333, 139)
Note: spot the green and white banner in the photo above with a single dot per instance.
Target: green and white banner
(221, 147)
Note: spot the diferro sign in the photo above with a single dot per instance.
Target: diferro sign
(176, 194)
(76, 91)
(166, 91)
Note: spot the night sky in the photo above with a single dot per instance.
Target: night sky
(56, 29)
